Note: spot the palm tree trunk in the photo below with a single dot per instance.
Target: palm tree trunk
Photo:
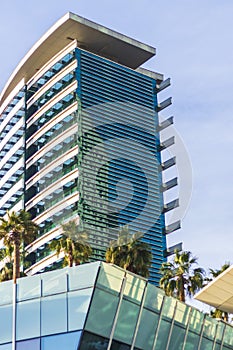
(182, 292)
(16, 255)
(70, 260)
(225, 316)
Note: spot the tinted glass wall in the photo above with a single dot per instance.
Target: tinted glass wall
(135, 313)
(98, 306)
(50, 309)
(119, 159)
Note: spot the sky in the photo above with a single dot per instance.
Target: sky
(194, 42)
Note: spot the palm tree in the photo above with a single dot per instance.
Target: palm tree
(73, 243)
(179, 277)
(217, 313)
(216, 273)
(130, 253)
(16, 229)
(6, 272)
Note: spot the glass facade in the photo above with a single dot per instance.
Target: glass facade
(12, 124)
(120, 178)
(98, 306)
(79, 140)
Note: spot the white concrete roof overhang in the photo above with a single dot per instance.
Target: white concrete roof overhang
(90, 36)
(219, 292)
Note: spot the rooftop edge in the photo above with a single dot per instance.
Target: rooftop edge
(90, 36)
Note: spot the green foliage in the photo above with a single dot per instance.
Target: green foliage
(16, 230)
(216, 273)
(217, 313)
(6, 272)
(179, 277)
(74, 244)
(130, 253)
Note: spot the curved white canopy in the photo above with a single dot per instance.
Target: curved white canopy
(219, 292)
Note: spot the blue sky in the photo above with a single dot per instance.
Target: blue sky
(194, 47)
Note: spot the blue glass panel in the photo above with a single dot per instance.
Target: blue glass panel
(29, 287)
(78, 303)
(5, 323)
(82, 276)
(6, 292)
(54, 282)
(28, 319)
(54, 314)
(32, 344)
(6, 347)
(68, 341)
(119, 122)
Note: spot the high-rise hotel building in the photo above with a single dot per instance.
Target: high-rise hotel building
(79, 139)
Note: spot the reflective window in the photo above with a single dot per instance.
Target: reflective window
(162, 336)
(54, 314)
(29, 287)
(54, 282)
(83, 276)
(217, 346)
(192, 341)
(6, 292)
(168, 307)
(210, 327)
(103, 307)
(6, 323)
(147, 329)
(154, 297)
(228, 338)
(93, 342)
(53, 90)
(110, 280)
(68, 341)
(220, 329)
(50, 73)
(60, 148)
(196, 321)
(126, 322)
(78, 303)
(134, 288)
(119, 346)
(6, 347)
(182, 313)
(206, 344)
(58, 218)
(177, 338)
(32, 344)
(28, 319)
